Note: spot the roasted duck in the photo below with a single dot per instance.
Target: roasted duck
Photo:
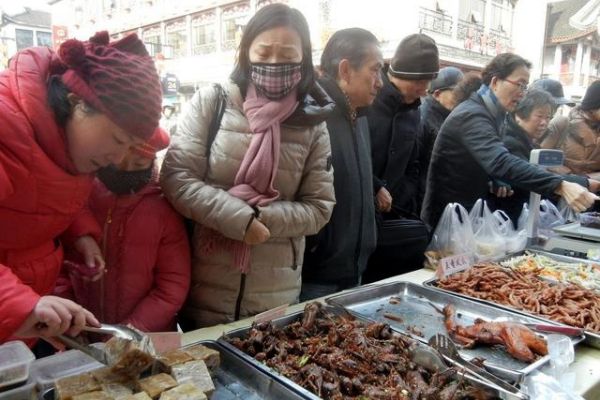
(520, 341)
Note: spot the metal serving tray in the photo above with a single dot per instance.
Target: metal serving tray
(591, 338)
(411, 303)
(575, 230)
(236, 378)
(289, 319)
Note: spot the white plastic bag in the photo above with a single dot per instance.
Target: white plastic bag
(566, 212)
(514, 240)
(453, 236)
(489, 242)
(549, 215)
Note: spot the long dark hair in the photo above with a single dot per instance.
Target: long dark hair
(269, 17)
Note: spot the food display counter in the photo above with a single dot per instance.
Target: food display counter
(586, 366)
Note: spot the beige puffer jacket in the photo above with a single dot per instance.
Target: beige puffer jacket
(199, 191)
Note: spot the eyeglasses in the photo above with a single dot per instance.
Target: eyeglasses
(522, 86)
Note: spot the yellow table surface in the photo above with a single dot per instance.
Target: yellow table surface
(586, 365)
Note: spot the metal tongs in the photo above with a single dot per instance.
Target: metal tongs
(120, 331)
(448, 349)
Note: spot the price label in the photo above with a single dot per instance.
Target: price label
(450, 265)
(271, 314)
(165, 341)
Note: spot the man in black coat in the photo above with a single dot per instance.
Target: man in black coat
(394, 122)
(337, 256)
(395, 125)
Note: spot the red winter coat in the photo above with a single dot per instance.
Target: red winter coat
(147, 256)
(40, 192)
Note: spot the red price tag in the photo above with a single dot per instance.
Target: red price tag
(450, 265)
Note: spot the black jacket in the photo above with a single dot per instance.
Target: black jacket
(433, 115)
(394, 127)
(468, 152)
(518, 144)
(338, 254)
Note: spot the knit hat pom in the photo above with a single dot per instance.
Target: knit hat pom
(72, 53)
(100, 38)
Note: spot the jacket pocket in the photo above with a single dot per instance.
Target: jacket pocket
(295, 255)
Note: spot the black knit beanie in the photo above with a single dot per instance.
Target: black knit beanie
(591, 100)
(416, 58)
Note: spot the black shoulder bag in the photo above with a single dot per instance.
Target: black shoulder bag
(213, 128)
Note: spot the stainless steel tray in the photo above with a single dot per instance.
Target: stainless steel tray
(236, 378)
(289, 319)
(412, 306)
(592, 339)
(575, 230)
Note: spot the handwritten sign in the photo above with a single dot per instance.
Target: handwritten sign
(453, 264)
(271, 314)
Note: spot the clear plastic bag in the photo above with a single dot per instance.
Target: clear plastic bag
(453, 236)
(550, 217)
(489, 242)
(567, 213)
(514, 240)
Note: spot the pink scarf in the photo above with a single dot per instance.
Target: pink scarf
(254, 180)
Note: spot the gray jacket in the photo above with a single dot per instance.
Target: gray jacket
(197, 188)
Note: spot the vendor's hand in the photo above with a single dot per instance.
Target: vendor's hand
(384, 200)
(256, 233)
(53, 316)
(92, 255)
(576, 196)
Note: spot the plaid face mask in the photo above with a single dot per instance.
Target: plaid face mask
(275, 80)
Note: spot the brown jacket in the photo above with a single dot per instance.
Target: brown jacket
(579, 138)
(198, 190)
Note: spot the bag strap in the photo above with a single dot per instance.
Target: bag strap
(215, 123)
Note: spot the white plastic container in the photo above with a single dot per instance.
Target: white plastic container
(47, 370)
(15, 359)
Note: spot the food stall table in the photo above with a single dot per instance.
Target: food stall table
(586, 365)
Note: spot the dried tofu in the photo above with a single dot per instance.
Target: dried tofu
(138, 396)
(128, 358)
(117, 391)
(93, 396)
(156, 384)
(187, 391)
(71, 386)
(174, 357)
(194, 372)
(106, 375)
(212, 358)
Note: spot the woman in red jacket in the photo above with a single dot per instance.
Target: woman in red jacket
(62, 117)
(144, 244)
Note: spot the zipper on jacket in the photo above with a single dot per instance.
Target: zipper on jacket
(294, 258)
(240, 297)
(362, 203)
(107, 223)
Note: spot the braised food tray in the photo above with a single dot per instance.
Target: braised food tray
(592, 338)
(406, 307)
(245, 333)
